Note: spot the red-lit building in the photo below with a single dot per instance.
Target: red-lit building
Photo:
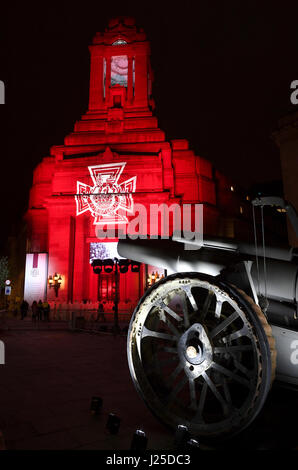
(116, 148)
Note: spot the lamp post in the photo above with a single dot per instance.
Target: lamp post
(116, 324)
(117, 263)
(55, 282)
(118, 266)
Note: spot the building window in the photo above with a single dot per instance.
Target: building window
(117, 101)
(119, 42)
(119, 70)
(104, 77)
(133, 76)
(106, 287)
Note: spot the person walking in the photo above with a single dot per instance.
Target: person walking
(100, 313)
(24, 309)
(46, 310)
(34, 310)
(39, 310)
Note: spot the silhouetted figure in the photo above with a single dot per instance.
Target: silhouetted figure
(46, 310)
(39, 310)
(24, 309)
(34, 310)
(100, 313)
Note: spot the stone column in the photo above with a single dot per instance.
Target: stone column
(96, 81)
(129, 81)
(79, 260)
(59, 238)
(141, 80)
(108, 78)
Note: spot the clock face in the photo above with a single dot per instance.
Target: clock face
(119, 68)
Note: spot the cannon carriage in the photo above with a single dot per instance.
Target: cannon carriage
(206, 342)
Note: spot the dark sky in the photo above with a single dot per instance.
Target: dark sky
(222, 80)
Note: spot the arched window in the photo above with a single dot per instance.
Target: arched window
(119, 42)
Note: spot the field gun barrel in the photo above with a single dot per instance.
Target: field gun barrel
(217, 255)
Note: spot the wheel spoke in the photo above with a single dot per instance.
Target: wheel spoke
(224, 324)
(218, 308)
(206, 305)
(244, 370)
(237, 334)
(192, 393)
(231, 349)
(199, 416)
(191, 298)
(229, 373)
(185, 311)
(224, 404)
(227, 392)
(170, 325)
(156, 334)
(171, 312)
(175, 373)
(179, 386)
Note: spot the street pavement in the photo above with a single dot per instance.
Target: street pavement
(51, 375)
(46, 388)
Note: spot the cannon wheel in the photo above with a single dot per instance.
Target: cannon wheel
(202, 354)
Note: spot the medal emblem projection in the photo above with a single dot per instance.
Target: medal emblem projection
(108, 199)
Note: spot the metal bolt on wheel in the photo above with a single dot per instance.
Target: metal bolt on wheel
(199, 354)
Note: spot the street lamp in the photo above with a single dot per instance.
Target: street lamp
(55, 281)
(153, 278)
(118, 266)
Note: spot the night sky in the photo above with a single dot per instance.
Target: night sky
(222, 80)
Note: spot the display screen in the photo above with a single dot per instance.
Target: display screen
(103, 251)
(119, 69)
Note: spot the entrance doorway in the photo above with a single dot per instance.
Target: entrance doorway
(106, 287)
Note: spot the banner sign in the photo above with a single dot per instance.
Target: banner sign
(7, 290)
(36, 277)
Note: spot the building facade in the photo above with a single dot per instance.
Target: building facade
(116, 158)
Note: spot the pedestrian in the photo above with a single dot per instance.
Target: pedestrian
(24, 309)
(46, 310)
(100, 313)
(39, 310)
(34, 310)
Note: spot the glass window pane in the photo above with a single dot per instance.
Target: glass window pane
(119, 69)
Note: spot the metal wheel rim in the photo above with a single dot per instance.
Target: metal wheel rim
(205, 376)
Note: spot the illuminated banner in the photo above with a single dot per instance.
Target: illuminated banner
(106, 197)
(36, 277)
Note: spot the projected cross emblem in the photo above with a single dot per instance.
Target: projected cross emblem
(107, 196)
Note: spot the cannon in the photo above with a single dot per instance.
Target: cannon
(206, 342)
